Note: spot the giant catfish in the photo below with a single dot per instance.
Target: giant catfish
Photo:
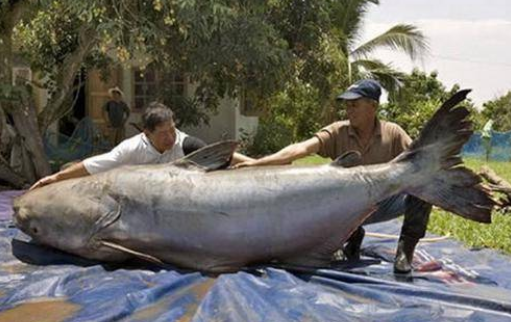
(187, 214)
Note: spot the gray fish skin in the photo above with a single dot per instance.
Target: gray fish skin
(207, 221)
(220, 221)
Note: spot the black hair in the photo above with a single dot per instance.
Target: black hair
(155, 114)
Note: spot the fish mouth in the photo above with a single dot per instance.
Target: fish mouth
(21, 218)
(17, 217)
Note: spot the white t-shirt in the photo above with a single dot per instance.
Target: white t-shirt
(133, 151)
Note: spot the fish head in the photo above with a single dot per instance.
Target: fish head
(65, 215)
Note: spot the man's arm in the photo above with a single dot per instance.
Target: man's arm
(75, 171)
(286, 155)
(239, 158)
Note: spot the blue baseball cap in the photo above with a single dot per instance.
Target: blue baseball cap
(368, 88)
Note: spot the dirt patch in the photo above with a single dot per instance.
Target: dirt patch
(151, 312)
(202, 289)
(15, 268)
(154, 310)
(40, 310)
(200, 292)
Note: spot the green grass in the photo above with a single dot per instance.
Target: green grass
(315, 159)
(496, 235)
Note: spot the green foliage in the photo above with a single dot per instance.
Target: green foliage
(499, 110)
(322, 36)
(47, 37)
(222, 45)
(14, 93)
(188, 111)
(419, 97)
(270, 137)
(292, 116)
(289, 57)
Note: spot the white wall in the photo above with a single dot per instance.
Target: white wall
(128, 87)
(224, 124)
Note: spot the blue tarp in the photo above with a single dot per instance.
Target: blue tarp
(452, 283)
(498, 147)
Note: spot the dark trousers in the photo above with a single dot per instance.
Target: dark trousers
(416, 214)
(116, 135)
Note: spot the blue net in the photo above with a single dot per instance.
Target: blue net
(495, 147)
(85, 141)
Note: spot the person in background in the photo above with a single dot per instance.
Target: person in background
(377, 141)
(115, 113)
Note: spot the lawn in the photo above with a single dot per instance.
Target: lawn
(496, 235)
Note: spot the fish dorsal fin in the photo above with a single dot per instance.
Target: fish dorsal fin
(348, 160)
(212, 157)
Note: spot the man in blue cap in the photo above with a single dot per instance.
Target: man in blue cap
(377, 141)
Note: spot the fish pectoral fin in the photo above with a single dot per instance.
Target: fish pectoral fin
(143, 256)
(348, 160)
(212, 157)
(111, 212)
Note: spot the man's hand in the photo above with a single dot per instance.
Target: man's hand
(244, 164)
(285, 156)
(44, 181)
(76, 170)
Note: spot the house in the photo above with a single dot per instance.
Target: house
(139, 86)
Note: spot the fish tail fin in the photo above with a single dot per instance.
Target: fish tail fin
(441, 178)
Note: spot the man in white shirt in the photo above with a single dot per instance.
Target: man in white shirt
(160, 142)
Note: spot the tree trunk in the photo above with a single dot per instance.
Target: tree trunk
(15, 100)
(25, 122)
(7, 175)
(68, 71)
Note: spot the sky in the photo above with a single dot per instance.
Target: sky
(469, 41)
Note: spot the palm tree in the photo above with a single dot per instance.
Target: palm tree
(404, 38)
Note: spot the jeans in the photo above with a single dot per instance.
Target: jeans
(416, 213)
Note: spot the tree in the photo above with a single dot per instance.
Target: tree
(327, 61)
(419, 97)
(16, 103)
(499, 110)
(227, 47)
(219, 44)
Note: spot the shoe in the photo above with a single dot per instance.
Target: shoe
(404, 255)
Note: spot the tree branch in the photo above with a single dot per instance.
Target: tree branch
(65, 79)
(13, 14)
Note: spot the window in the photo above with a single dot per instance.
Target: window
(21, 75)
(151, 84)
(146, 86)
